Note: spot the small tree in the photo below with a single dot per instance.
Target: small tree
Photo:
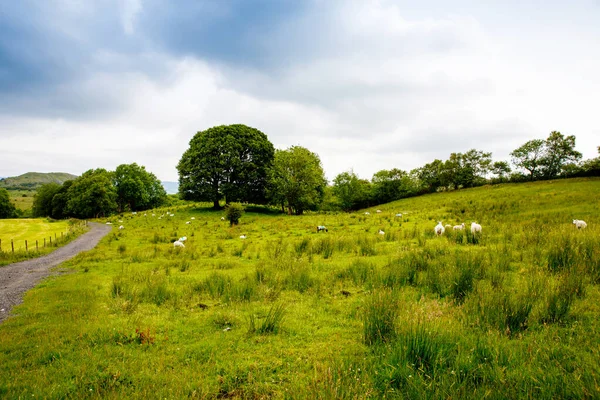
(233, 213)
(7, 208)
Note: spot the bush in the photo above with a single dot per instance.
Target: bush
(233, 213)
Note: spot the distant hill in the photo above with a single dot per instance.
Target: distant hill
(33, 180)
(170, 187)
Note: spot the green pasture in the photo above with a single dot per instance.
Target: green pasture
(22, 199)
(289, 312)
(47, 233)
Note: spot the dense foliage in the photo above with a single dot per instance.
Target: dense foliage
(98, 192)
(7, 208)
(137, 189)
(297, 180)
(227, 161)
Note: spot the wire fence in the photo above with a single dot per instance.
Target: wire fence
(14, 250)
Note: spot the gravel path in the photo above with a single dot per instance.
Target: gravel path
(17, 278)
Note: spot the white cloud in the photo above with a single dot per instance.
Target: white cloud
(378, 90)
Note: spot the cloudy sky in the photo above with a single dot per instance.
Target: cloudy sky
(366, 84)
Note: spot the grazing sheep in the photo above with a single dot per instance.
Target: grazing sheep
(475, 228)
(381, 232)
(134, 213)
(580, 224)
(399, 215)
(243, 237)
(188, 222)
(193, 218)
(109, 223)
(177, 243)
(321, 228)
(367, 213)
(439, 229)
(459, 227)
(183, 239)
(121, 227)
(222, 218)
(154, 215)
(378, 211)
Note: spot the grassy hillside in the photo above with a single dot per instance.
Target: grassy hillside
(33, 180)
(348, 313)
(22, 199)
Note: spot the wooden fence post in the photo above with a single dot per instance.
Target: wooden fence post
(50, 240)
(44, 242)
(36, 245)
(26, 249)
(12, 244)
(0, 244)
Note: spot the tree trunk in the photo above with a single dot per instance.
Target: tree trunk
(216, 204)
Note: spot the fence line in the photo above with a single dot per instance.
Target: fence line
(57, 240)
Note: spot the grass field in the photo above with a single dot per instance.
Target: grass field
(41, 230)
(22, 199)
(350, 313)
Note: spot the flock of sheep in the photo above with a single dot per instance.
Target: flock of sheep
(439, 228)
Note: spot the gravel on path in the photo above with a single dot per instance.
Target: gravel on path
(17, 278)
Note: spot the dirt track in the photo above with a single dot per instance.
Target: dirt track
(17, 278)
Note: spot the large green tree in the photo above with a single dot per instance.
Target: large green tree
(92, 195)
(351, 192)
(60, 200)
(137, 189)
(559, 151)
(230, 161)
(42, 201)
(297, 180)
(7, 208)
(530, 157)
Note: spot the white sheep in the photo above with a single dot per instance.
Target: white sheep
(188, 222)
(580, 224)
(367, 213)
(183, 239)
(399, 215)
(134, 213)
(177, 243)
(439, 229)
(109, 223)
(378, 211)
(321, 228)
(381, 232)
(243, 237)
(475, 228)
(459, 227)
(222, 218)
(193, 218)
(121, 227)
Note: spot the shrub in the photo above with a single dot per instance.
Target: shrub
(233, 213)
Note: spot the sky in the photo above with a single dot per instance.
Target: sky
(365, 84)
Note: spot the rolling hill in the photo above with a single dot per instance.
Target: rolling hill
(33, 180)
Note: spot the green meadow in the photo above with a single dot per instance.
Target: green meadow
(289, 312)
(48, 233)
(22, 199)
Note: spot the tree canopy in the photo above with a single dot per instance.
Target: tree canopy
(42, 201)
(352, 192)
(7, 208)
(230, 161)
(137, 189)
(92, 195)
(297, 180)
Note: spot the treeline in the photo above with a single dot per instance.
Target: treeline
(238, 163)
(98, 192)
(552, 158)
